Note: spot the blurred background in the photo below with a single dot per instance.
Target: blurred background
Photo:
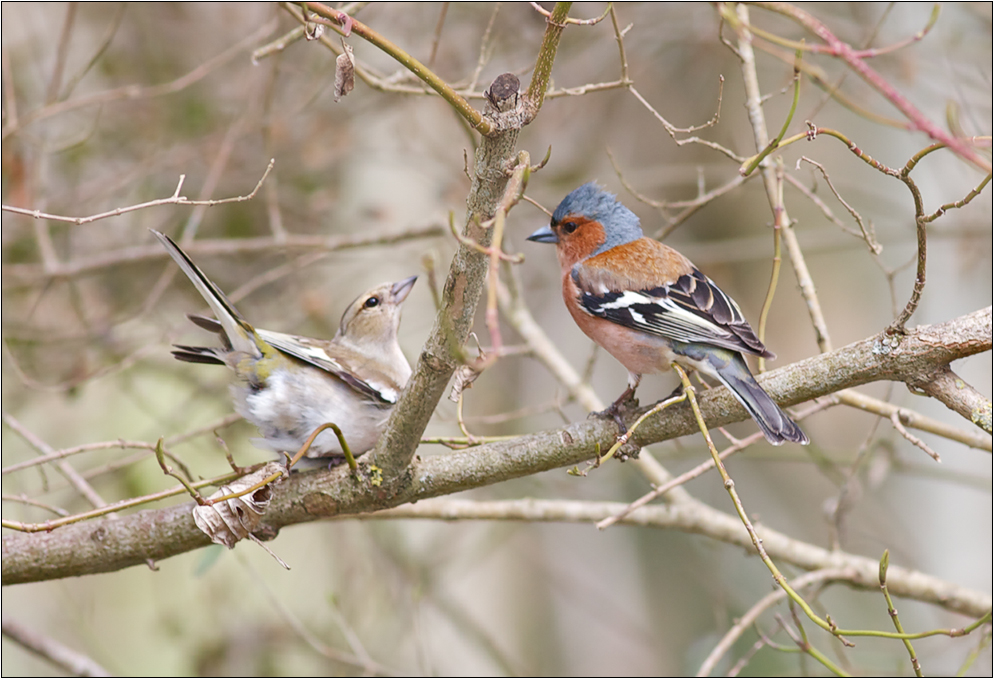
(89, 312)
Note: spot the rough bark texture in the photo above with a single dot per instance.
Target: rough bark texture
(463, 286)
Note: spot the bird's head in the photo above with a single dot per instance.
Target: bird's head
(373, 318)
(588, 221)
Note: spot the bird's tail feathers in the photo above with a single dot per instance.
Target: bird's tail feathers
(772, 420)
(240, 336)
(189, 354)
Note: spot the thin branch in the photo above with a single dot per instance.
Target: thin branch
(896, 421)
(542, 72)
(109, 509)
(570, 20)
(485, 44)
(702, 468)
(28, 273)
(99, 52)
(758, 121)
(673, 130)
(175, 199)
(61, 53)
(73, 662)
(856, 570)
(769, 601)
(346, 25)
(855, 61)
(436, 39)
(971, 438)
(278, 45)
(24, 500)
(64, 468)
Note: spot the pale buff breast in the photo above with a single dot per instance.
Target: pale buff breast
(296, 402)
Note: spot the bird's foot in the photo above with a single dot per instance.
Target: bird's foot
(326, 462)
(617, 411)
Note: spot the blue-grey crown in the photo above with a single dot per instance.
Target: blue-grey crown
(591, 201)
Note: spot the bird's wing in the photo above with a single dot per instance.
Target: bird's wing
(360, 373)
(691, 309)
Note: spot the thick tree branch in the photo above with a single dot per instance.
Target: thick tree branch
(109, 545)
(463, 286)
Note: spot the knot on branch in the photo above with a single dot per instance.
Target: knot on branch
(504, 103)
(503, 93)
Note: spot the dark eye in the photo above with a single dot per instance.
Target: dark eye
(372, 302)
(569, 227)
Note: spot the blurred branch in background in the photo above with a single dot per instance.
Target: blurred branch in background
(111, 105)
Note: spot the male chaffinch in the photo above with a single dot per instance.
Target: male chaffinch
(288, 386)
(649, 306)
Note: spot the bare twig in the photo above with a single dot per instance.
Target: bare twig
(175, 199)
(226, 247)
(62, 51)
(868, 235)
(909, 418)
(346, 25)
(896, 421)
(700, 469)
(97, 53)
(758, 120)
(71, 475)
(752, 615)
(855, 61)
(63, 657)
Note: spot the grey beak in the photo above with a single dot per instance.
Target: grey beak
(401, 289)
(544, 235)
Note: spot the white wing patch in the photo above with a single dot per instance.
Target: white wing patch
(658, 315)
(625, 299)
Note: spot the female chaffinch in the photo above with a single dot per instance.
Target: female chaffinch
(288, 386)
(649, 306)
